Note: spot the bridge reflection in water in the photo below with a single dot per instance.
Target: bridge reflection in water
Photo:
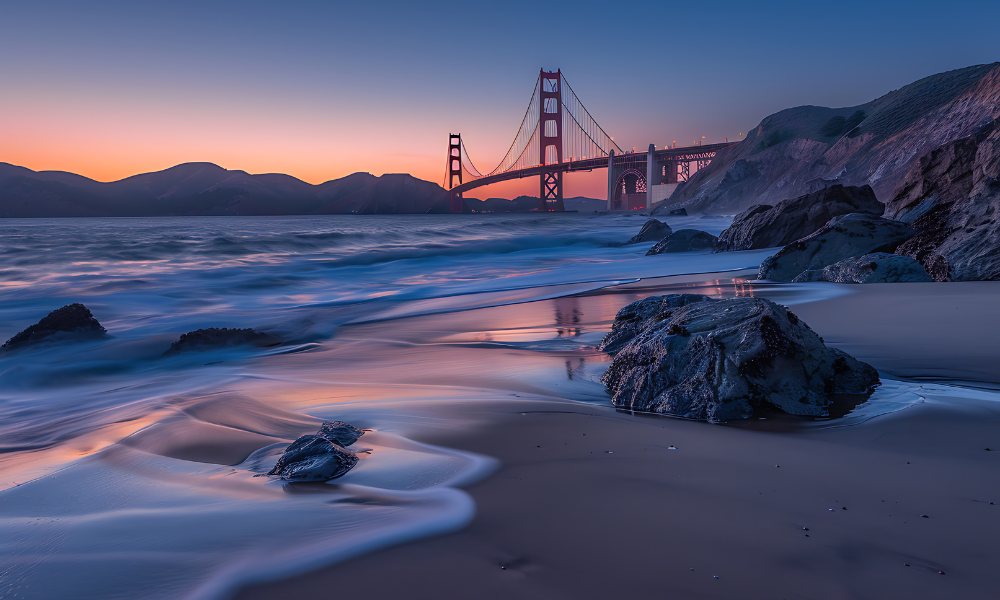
(558, 135)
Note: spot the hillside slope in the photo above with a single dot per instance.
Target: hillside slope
(803, 149)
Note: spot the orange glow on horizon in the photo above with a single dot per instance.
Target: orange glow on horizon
(109, 143)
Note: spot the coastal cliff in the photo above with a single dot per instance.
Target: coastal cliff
(801, 150)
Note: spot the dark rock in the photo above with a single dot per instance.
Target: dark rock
(73, 321)
(843, 237)
(684, 240)
(736, 358)
(221, 337)
(879, 267)
(952, 198)
(678, 212)
(634, 317)
(652, 230)
(340, 432)
(766, 226)
(314, 458)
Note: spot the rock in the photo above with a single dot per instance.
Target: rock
(634, 317)
(314, 458)
(718, 360)
(843, 237)
(952, 198)
(73, 321)
(341, 433)
(652, 230)
(766, 226)
(684, 240)
(221, 337)
(678, 212)
(878, 267)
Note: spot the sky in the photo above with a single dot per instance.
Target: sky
(320, 90)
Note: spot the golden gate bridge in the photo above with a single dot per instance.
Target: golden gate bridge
(558, 135)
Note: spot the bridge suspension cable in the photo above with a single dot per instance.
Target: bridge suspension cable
(583, 137)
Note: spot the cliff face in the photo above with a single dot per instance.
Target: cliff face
(801, 150)
(952, 198)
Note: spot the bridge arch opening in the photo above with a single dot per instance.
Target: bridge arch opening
(630, 190)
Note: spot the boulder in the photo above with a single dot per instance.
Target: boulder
(73, 321)
(720, 360)
(678, 212)
(684, 240)
(878, 267)
(314, 458)
(634, 317)
(843, 237)
(341, 433)
(652, 230)
(221, 337)
(952, 198)
(765, 226)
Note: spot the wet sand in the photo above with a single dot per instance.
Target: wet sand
(589, 502)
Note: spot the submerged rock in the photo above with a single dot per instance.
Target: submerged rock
(684, 240)
(878, 267)
(314, 458)
(73, 321)
(718, 360)
(340, 432)
(652, 230)
(843, 237)
(635, 317)
(221, 337)
(766, 226)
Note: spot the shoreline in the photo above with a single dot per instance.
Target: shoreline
(591, 501)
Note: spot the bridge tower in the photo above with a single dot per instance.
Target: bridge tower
(456, 205)
(550, 121)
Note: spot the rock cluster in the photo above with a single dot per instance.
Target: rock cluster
(878, 267)
(319, 457)
(765, 226)
(73, 321)
(719, 360)
(846, 236)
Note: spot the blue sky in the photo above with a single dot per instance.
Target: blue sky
(321, 89)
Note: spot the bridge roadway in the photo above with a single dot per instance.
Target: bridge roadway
(682, 154)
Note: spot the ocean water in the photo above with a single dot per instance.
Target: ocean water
(122, 469)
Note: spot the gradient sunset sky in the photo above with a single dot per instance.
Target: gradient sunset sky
(323, 89)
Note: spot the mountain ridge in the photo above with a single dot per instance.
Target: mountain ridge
(204, 188)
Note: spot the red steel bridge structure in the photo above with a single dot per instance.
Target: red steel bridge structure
(558, 135)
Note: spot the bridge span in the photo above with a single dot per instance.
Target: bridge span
(557, 136)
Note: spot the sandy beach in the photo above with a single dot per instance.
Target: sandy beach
(591, 502)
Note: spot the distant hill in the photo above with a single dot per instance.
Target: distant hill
(208, 189)
(803, 149)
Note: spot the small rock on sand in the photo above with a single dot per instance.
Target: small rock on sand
(314, 458)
